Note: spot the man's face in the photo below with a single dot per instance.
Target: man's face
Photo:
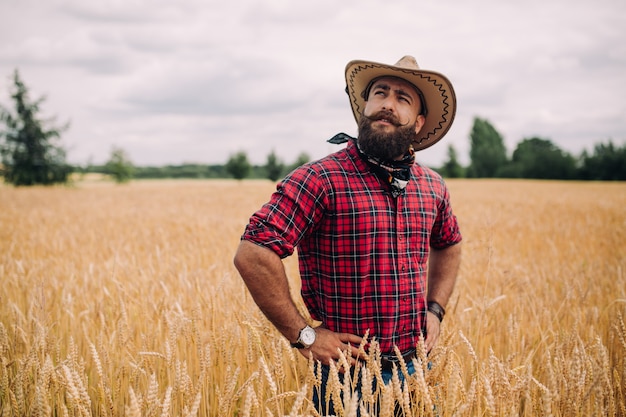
(391, 119)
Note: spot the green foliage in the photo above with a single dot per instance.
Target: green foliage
(607, 163)
(29, 150)
(119, 166)
(541, 159)
(238, 165)
(197, 171)
(487, 150)
(274, 167)
(452, 168)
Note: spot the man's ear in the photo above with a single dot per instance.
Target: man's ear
(419, 122)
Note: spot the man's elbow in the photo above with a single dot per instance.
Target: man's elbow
(241, 258)
(250, 258)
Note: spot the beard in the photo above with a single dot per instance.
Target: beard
(383, 145)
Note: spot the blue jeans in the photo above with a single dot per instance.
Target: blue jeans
(319, 394)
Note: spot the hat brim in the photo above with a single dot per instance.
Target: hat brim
(436, 88)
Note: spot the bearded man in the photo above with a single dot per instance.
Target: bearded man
(378, 244)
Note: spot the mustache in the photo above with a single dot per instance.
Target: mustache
(386, 115)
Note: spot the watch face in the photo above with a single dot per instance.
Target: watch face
(307, 336)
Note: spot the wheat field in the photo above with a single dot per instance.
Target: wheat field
(123, 301)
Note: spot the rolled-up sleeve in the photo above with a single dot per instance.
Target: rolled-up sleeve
(446, 231)
(290, 214)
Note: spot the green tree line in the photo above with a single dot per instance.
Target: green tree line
(31, 153)
(237, 166)
(533, 158)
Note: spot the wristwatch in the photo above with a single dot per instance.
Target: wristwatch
(305, 339)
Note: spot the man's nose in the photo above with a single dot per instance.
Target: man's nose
(388, 104)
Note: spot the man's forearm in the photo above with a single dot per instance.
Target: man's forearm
(264, 274)
(443, 267)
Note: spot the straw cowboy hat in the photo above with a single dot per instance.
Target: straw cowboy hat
(436, 90)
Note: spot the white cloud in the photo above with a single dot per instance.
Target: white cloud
(196, 81)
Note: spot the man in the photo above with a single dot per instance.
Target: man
(378, 244)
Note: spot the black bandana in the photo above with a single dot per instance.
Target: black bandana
(395, 173)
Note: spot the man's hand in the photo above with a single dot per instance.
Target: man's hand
(433, 329)
(328, 344)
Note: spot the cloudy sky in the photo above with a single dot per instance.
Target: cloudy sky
(198, 80)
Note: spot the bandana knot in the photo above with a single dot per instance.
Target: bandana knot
(396, 173)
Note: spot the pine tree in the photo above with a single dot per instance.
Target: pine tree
(29, 150)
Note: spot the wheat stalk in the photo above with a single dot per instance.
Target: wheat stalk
(195, 406)
(167, 401)
(489, 399)
(134, 407)
(300, 398)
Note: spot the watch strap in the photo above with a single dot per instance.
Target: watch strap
(435, 308)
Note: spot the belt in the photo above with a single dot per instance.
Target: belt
(386, 363)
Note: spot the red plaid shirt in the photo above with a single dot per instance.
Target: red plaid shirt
(362, 253)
